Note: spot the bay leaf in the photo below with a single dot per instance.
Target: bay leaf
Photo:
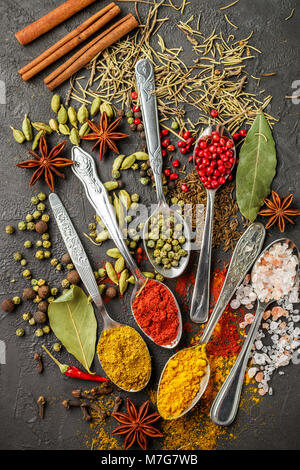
(73, 321)
(256, 168)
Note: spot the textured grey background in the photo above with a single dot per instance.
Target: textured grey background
(274, 423)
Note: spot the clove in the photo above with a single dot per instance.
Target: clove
(106, 389)
(101, 413)
(41, 401)
(70, 403)
(85, 412)
(80, 394)
(118, 403)
(38, 358)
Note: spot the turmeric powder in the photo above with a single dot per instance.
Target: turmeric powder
(181, 380)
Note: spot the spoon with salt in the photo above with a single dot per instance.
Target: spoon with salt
(85, 169)
(226, 403)
(200, 300)
(83, 267)
(146, 88)
(244, 255)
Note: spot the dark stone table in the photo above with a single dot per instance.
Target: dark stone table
(274, 423)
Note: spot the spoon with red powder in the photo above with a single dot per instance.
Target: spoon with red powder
(153, 305)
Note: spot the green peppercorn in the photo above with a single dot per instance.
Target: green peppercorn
(22, 225)
(20, 332)
(23, 262)
(27, 244)
(39, 254)
(26, 316)
(130, 120)
(56, 347)
(42, 196)
(16, 300)
(59, 267)
(46, 244)
(34, 282)
(31, 321)
(41, 207)
(174, 125)
(70, 266)
(102, 272)
(45, 218)
(17, 256)
(30, 226)
(46, 329)
(35, 200)
(47, 254)
(36, 214)
(54, 262)
(65, 283)
(9, 229)
(45, 236)
(92, 226)
(28, 217)
(39, 332)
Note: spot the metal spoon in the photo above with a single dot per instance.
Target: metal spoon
(226, 403)
(245, 253)
(85, 169)
(82, 265)
(200, 300)
(146, 87)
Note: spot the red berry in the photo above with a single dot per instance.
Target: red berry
(243, 132)
(229, 144)
(184, 188)
(214, 113)
(230, 177)
(216, 137)
(137, 121)
(136, 109)
(139, 251)
(167, 172)
(190, 140)
(191, 158)
(236, 136)
(221, 180)
(173, 176)
(134, 95)
(203, 144)
(165, 132)
(176, 163)
(214, 184)
(183, 150)
(164, 153)
(186, 134)
(181, 143)
(171, 148)
(165, 142)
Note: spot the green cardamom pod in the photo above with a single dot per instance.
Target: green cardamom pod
(107, 109)
(113, 253)
(55, 103)
(102, 236)
(18, 135)
(120, 265)
(27, 128)
(125, 199)
(95, 106)
(41, 126)
(62, 115)
(54, 125)
(74, 136)
(141, 156)
(123, 281)
(73, 116)
(131, 280)
(116, 174)
(83, 114)
(128, 162)
(64, 129)
(102, 288)
(148, 275)
(118, 162)
(37, 139)
(111, 272)
(84, 129)
(110, 185)
(119, 211)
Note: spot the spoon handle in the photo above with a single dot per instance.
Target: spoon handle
(146, 87)
(226, 403)
(245, 253)
(78, 254)
(200, 300)
(85, 169)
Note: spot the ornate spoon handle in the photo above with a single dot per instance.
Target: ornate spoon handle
(85, 169)
(245, 253)
(146, 87)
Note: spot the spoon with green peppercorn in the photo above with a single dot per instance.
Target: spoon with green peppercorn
(166, 234)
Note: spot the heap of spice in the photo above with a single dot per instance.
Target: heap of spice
(180, 382)
(125, 357)
(156, 312)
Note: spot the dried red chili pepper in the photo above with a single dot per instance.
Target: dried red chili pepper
(74, 372)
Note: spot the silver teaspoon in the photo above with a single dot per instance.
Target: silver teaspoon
(226, 403)
(146, 88)
(200, 300)
(82, 265)
(85, 169)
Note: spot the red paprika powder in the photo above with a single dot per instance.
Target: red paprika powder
(156, 312)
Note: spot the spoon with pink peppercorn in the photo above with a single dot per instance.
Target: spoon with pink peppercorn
(214, 157)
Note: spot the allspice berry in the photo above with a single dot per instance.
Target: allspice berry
(29, 294)
(44, 292)
(40, 317)
(66, 258)
(111, 292)
(7, 305)
(43, 306)
(73, 277)
(41, 227)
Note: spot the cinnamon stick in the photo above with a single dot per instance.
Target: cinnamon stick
(50, 20)
(88, 52)
(70, 41)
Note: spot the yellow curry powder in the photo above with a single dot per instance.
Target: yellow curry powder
(181, 381)
(125, 357)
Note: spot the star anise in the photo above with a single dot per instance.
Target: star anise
(105, 134)
(136, 425)
(46, 163)
(278, 210)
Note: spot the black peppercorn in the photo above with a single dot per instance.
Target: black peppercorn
(44, 292)
(43, 306)
(29, 294)
(120, 184)
(66, 258)
(41, 227)
(143, 173)
(73, 277)
(137, 114)
(7, 305)
(40, 317)
(132, 127)
(140, 127)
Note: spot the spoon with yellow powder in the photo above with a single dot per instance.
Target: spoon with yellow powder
(186, 374)
(122, 352)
